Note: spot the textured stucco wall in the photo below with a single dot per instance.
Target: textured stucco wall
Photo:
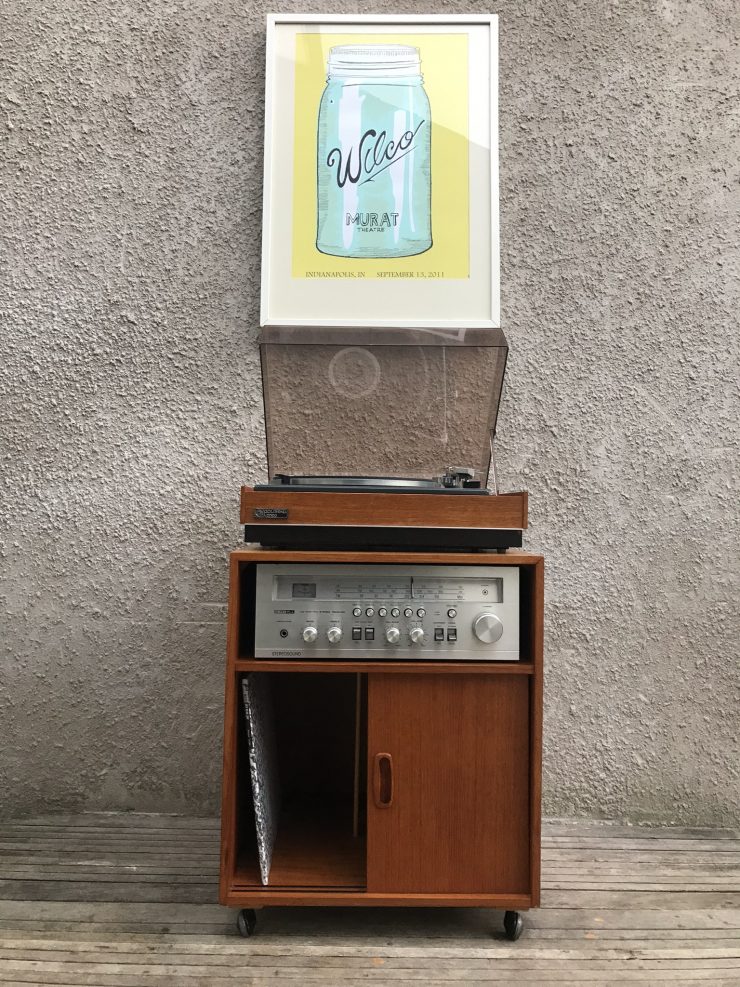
(130, 177)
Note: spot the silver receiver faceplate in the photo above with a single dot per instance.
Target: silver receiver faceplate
(346, 612)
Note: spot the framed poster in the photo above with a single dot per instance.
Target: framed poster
(380, 199)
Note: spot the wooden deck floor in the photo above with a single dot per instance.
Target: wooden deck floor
(128, 901)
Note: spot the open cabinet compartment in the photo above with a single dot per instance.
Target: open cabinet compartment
(320, 755)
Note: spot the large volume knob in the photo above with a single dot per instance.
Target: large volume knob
(488, 628)
(310, 634)
(417, 635)
(334, 634)
(393, 635)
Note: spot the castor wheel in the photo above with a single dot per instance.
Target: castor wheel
(513, 925)
(246, 922)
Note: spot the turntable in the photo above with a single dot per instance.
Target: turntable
(361, 429)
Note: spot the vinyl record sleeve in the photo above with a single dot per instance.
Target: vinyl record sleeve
(263, 765)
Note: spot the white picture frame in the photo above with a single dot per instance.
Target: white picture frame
(300, 284)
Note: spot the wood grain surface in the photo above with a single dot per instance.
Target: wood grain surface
(315, 849)
(388, 509)
(459, 820)
(389, 667)
(512, 556)
(486, 780)
(117, 900)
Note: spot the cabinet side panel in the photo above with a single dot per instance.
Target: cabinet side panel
(228, 783)
(536, 698)
(458, 821)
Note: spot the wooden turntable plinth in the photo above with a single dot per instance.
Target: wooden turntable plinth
(385, 519)
(395, 509)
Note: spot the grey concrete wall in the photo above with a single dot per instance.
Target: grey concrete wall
(130, 178)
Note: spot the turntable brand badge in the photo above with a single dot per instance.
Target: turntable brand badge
(270, 513)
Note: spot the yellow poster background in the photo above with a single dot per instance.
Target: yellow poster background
(444, 66)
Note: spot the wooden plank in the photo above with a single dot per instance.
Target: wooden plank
(600, 898)
(387, 509)
(638, 843)
(95, 869)
(100, 847)
(255, 553)
(446, 922)
(111, 821)
(155, 876)
(136, 824)
(386, 667)
(45, 890)
(637, 858)
(466, 972)
(503, 980)
(582, 828)
(395, 937)
(35, 868)
(417, 966)
(233, 952)
(83, 911)
(537, 631)
(604, 900)
(176, 947)
(251, 898)
(589, 871)
(229, 808)
(648, 878)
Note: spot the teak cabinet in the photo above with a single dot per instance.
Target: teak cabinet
(403, 782)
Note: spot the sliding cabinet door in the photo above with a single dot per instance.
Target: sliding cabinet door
(448, 783)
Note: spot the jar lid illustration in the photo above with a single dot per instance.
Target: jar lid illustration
(373, 61)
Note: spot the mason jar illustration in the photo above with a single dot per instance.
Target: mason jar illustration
(374, 154)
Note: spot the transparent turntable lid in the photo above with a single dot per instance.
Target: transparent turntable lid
(380, 402)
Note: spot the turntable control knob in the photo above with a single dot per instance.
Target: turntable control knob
(310, 634)
(417, 635)
(334, 634)
(488, 628)
(393, 635)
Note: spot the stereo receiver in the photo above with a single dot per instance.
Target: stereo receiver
(350, 612)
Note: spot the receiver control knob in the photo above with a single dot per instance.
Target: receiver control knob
(310, 634)
(417, 635)
(393, 635)
(488, 628)
(334, 635)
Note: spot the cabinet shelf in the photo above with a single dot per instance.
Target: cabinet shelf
(402, 667)
(314, 849)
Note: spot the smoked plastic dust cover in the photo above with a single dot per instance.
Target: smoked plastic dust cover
(380, 402)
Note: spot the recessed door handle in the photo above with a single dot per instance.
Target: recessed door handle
(383, 781)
